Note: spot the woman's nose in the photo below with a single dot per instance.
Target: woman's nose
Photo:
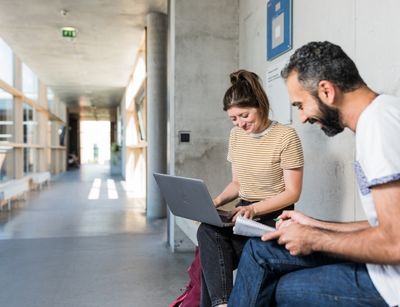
(240, 123)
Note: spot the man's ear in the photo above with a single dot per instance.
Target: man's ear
(326, 92)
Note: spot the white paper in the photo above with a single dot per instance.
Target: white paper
(250, 228)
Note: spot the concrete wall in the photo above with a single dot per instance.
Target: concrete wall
(205, 45)
(367, 30)
(203, 50)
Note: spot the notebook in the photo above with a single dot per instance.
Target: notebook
(250, 228)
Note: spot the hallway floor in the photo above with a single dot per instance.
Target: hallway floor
(85, 242)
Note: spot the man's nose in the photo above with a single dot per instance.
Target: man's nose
(303, 117)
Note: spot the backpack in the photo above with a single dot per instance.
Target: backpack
(191, 296)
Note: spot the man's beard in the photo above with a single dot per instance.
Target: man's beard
(329, 119)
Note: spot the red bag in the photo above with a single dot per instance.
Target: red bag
(191, 296)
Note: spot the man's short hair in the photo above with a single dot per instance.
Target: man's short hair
(318, 61)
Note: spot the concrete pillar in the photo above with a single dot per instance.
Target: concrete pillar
(156, 110)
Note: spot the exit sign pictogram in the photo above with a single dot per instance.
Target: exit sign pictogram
(68, 32)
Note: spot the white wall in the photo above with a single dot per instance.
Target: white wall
(377, 47)
(367, 30)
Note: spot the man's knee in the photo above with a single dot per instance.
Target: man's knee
(261, 251)
(288, 290)
(303, 288)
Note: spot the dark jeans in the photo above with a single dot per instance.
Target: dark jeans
(269, 276)
(220, 252)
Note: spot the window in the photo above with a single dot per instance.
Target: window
(6, 163)
(134, 85)
(6, 116)
(29, 125)
(140, 109)
(6, 63)
(50, 100)
(30, 83)
(29, 160)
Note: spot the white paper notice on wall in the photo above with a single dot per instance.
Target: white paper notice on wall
(281, 109)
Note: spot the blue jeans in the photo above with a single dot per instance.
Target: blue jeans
(220, 252)
(269, 276)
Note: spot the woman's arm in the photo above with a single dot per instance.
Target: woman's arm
(230, 192)
(293, 179)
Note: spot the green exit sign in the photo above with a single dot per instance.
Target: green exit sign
(68, 32)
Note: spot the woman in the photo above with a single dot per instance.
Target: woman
(267, 172)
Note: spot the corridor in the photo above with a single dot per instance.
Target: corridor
(85, 242)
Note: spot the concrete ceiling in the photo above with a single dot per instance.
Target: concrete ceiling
(91, 69)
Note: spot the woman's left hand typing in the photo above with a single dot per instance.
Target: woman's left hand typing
(245, 211)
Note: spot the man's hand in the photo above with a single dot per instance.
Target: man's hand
(289, 216)
(295, 232)
(297, 239)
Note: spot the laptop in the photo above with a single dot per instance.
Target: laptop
(189, 198)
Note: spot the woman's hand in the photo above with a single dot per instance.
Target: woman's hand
(245, 211)
(216, 202)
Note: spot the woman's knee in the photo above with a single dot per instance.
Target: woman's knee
(205, 233)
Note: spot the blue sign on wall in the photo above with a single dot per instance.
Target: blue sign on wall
(279, 27)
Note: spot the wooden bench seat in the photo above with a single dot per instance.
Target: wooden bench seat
(13, 189)
(39, 179)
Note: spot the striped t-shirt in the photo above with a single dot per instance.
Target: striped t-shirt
(259, 161)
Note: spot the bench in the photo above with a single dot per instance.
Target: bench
(13, 189)
(39, 179)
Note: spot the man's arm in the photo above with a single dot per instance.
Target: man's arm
(289, 217)
(380, 244)
(344, 227)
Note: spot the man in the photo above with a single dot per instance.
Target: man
(307, 262)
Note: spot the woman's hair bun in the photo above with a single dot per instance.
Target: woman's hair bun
(234, 77)
(242, 75)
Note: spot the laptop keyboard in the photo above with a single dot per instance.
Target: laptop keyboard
(225, 216)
